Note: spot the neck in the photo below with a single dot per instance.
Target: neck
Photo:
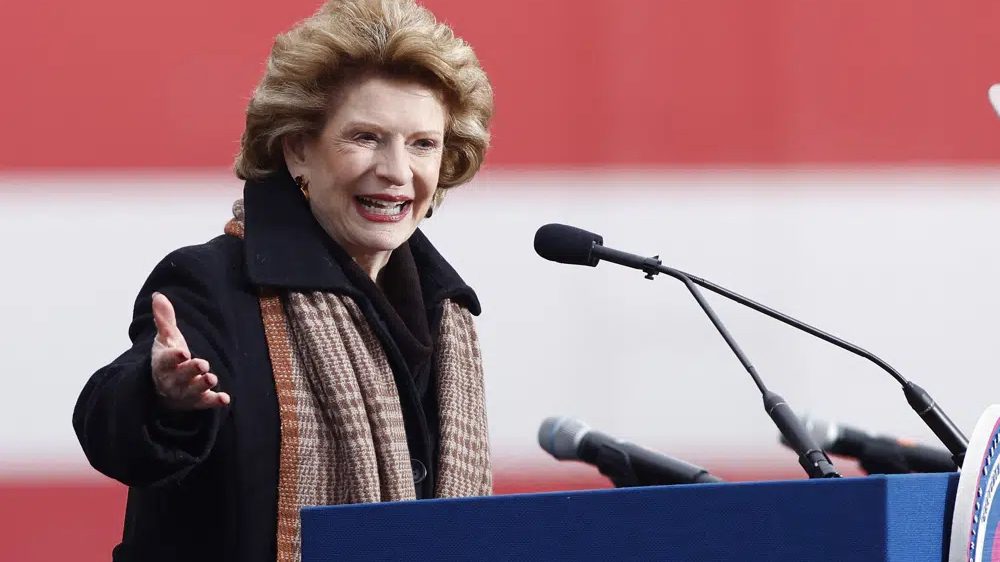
(372, 263)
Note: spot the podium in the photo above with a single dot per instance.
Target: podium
(898, 518)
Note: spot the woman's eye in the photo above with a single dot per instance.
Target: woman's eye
(365, 137)
(426, 144)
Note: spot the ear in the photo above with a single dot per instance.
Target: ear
(294, 149)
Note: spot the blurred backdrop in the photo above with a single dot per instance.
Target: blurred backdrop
(837, 161)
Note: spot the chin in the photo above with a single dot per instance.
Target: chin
(357, 235)
(383, 241)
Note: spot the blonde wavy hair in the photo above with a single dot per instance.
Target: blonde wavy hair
(349, 38)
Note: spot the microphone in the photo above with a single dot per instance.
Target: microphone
(568, 244)
(626, 464)
(878, 454)
(554, 239)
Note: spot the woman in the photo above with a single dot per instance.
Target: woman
(321, 351)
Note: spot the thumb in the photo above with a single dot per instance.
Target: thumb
(167, 331)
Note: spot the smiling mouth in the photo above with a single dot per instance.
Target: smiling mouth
(380, 207)
(381, 210)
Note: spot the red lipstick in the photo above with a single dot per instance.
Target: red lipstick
(382, 207)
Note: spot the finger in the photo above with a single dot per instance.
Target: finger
(200, 384)
(168, 359)
(165, 318)
(172, 374)
(212, 399)
(184, 383)
(190, 369)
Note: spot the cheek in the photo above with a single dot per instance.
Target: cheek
(342, 173)
(429, 173)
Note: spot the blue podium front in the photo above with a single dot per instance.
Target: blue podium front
(897, 518)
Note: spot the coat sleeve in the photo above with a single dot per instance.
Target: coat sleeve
(118, 420)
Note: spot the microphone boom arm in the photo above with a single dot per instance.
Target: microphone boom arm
(919, 400)
(811, 457)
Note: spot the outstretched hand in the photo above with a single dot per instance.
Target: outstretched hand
(182, 382)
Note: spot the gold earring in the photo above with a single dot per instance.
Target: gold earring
(303, 185)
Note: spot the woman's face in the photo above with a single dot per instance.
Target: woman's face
(374, 168)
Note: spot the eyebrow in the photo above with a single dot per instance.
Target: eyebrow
(370, 125)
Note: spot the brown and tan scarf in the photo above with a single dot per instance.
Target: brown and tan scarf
(342, 434)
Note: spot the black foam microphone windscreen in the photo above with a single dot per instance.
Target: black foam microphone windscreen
(567, 244)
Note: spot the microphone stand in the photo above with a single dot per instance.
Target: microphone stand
(811, 456)
(918, 398)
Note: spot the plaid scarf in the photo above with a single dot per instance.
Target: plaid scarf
(342, 434)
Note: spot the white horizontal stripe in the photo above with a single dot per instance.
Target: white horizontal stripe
(905, 263)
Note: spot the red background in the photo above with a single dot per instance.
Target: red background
(578, 82)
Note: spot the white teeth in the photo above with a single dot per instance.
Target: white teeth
(380, 207)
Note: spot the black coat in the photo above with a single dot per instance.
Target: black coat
(203, 485)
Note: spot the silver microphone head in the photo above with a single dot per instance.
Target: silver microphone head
(561, 436)
(825, 433)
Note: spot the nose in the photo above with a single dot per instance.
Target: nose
(393, 163)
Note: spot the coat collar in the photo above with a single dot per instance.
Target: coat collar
(287, 248)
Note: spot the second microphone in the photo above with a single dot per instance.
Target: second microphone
(624, 463)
